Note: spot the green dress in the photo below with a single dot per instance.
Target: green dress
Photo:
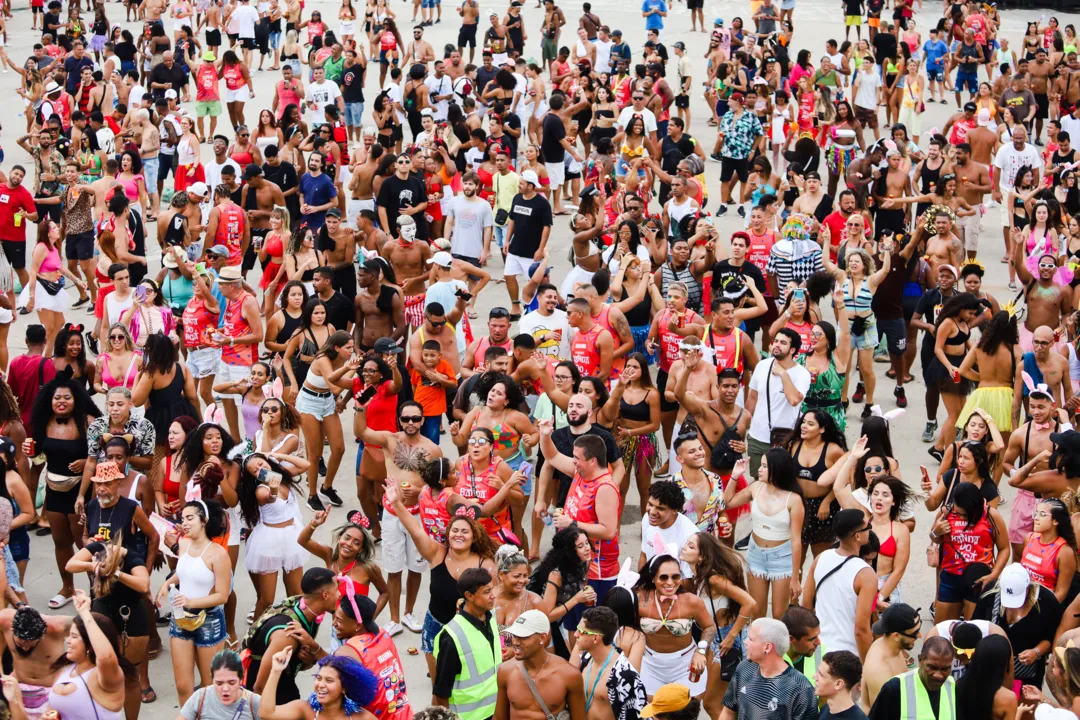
(824, 393)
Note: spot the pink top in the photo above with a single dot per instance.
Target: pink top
(51, 263)
(131, 186)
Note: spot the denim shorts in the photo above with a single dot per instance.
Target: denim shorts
(769, 563)
(429, 633)
(869, 338)
(150, 173)
(209, 634)
(308, 403)
(970, 79)
(353, 114)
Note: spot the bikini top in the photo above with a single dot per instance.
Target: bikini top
(888, 548)
(506, 437)
(678, 627)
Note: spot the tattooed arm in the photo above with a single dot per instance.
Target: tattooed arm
(625, 338)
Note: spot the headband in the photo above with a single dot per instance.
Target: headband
(206, 510)
(683, 345)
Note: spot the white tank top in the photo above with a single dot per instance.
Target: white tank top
(196, 579)
(944, 629)
(835, 600)
(1074, 363)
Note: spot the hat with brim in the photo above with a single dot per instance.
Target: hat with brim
(169, 261)
(106, 472)
(230, 274)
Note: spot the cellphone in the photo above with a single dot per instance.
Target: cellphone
(798, 294)
(365, 397)
(925, 473)
(267, 476)
(140, 293)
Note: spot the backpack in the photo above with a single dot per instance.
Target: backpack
(289, 607)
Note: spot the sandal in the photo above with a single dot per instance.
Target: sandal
(59, 601)
(148, 695)
(251, 616)
(472, 314)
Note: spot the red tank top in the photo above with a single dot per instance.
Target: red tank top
(344, 582)
(967, 545)
(484, 344)
(669, 341)
(206, 83)
(1040, 560)
(62, 109)
(230, 231)
(759, 250)
(379, 655)
(234, 77)
(433, 513)
(617, 364)
(581, 506)
(199, 324)
(584, 353)
(287, 95)
(727, 349)
(236, 325)
(477, 487)
(169, 485)
(804, 331)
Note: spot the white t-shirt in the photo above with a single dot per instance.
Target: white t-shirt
(470, 219)
(784, 414)
(322, 94)
(246, 18)
(474, 157)
(538, 325)
(135, 96)
(866, 96)
(1070, 125)
(393, 91)
(106, 139)
(676, 535)
(1009, 160)
(171, 119)
(213, 171)
(439, 86)
(646, 115)
(603, 54)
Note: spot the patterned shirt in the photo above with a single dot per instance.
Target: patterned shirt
(787, 696)
(142, 430)
(739, 134)
(788, 268)
(706, 522)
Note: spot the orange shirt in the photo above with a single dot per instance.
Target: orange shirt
(431, 395)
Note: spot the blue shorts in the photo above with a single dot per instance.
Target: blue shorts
(353, 114)
(869, 339)
(769, 563)
(209, 634)
(958, 588)
(428, 634)
(150, 174)
(935, 75)
(427, 3)
(971, 80)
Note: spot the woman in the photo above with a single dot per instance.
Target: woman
(638, 298)
(668, 613)
(148, 314)
(238, 86)
(970, 533)
(561, 580)
(952, 340)
(69, 356)
(302, 259)
(634, 406)
(242, 151)
(845, 137)
(776, 512)
(972, 466)
(301, 349)
(720, 581)
(381, 415)
(287, 319)
(982, 429)
(269, 505)
(512, 597)
(176, 281)
(827, 363)
(997, 355)
(267, 132)
(467, 546)
(860, 283)
(272, 257)
(343, 687)
(44, 291)
(202, 579)
(911, 100)
(165, 387)
(253, 392)
(1050, 552)
(59, 418)
(189, 168)
(15, 491)
(331, 373)
(986, 688)
(166, 476)
(227, 672)
(200, 322)
(486, 479)
(816, 444)
(278, 430)
(132, 180)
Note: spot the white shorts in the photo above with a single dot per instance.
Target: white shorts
(231, 373)
(203, 362)
(575, 275)
(240, 94)
(556, 173)
(517, 265)
(236, 524)
(399, 550)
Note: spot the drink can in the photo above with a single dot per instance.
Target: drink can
(695, 675)
(33, 447)
(547, 518)
(956, 375)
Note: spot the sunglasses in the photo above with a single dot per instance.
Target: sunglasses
(412, 418)
(118, 337)
(437, 324)
(564, 377)
(874, 469)
(478, 441)
(369, 371)
(676, 577)
(582, 631)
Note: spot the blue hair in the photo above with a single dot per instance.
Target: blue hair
(359, 684)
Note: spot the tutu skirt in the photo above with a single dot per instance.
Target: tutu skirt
(997, 401)
(270, 549)
(59, 302)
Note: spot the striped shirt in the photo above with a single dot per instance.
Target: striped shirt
(788, 696)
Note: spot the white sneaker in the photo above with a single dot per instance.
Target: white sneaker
(410, 622)
(392, 628)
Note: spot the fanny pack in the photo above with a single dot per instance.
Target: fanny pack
(188, 621)
(858, 325)
(62, 483)
(53, 287)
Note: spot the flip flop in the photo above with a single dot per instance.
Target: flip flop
(472, 314)
(148, 695)
(58, 602)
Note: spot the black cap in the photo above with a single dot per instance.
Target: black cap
(386, 345)
(365, 606)
(370, 265)
(898, 617)
(965, 636)
(970, 107)
(252, 171)
(617, 33)
(332, 212)
(850, 521)
(1068, 441)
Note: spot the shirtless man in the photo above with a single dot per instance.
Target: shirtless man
(470, 17)
(1038, 73)
(153, 10)
(602, 625)
(36, 642)
(420, 51)
(408, 256)
(1047, 302)
(368, 233)
(558, 682)
(1044, 367)
(862, 172)
(888, 655)
(338, 241)
(379, 309)
(361, 184)
(701, 381)
(897, 185)
(981, 140)
(258, 198)
(102, 185)
(944, 248)
(972, 183)
(1066, 90)
(404, 454)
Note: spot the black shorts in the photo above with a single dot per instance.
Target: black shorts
(165, 165)
(695, 4)
(731, 167)
(248, 263)
(61, 501)
(466, 36)
(661, 384)
(1042, 107)
(38, 10)
(15, 252)
(247, 43)
(682, 101)
(233, 38)
(895, 331)
(79, 246)
(213, 38)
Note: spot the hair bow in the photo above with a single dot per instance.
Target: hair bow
(72, 327)
(357, 517)
(875, 410)
(627, 577)
(465, 510)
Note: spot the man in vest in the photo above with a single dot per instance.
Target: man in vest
(592, 347)
(926, 693)
(228, 226)
(842, 587)
(498, 334)
(899, 629)
(468, 652)
(238, 338)
(804, 640)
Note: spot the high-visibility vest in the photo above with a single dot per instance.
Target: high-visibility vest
(476, 686)
(810, 663)
(915, 703)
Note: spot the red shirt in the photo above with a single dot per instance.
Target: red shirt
(26, 375)
(13, 199)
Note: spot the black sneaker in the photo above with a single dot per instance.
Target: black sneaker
(742, 544)
(315, 503)
(742, 211)
(322, 467)
(901, 398)
(935, 453)
(860, 393)
(866, 412)
(331, 494)
(716, 157)
(163, 620)
(721, 210)
(91, 342)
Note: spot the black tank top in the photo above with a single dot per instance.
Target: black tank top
(638, 411)
(176, 231)
(641, 314)
(444, 593)
(812, 473)
(288, 328)
(106, 522)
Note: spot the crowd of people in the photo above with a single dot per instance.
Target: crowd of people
(323, 259)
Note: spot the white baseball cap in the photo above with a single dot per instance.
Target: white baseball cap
(1014, 582)
(530, 177)
(198, 188)
(442, 259)
(170, 94)
(529, 623)
(983, 118)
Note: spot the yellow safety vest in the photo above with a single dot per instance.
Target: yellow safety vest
(915, 702)
(476, 686)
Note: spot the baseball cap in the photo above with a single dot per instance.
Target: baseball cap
(534, 266)
(849, 521)
(442, 258)
(251, 171)
(970, 107)
(529, 623)
(198, 188)
(983, 117)
(370, 265)
(680, 45)
(332, 212)
(737, 97)
(898, 617)
(718, 22)
(617, 33)
(427, 112)
(219, 250)
(669, 698)
(1014, 583)
(530, 177)
(386, 345)
(170, 94)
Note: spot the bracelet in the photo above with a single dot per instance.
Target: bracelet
(744, 617)
(175, 548)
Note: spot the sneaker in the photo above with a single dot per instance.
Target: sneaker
(392, 628)
(322, 467)
(935, 453)
(91, 342)
(721, 210)
(331, 494)
(901, 398)
(866, 412)
(860, 393)
(930, 431)
(410, 622)
(315, 503)
(716, 157)
(742, 544)
(742, 211)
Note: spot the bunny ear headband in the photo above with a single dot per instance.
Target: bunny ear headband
(627, 577)
(663, 548)
(875, 411)
(1033, 389)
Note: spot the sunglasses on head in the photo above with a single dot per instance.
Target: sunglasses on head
(498, 312)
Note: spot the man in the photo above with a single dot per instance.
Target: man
(408, 256)
(897, 185)
(440, 91)
(739, 132)
(848, 575)
(527, 232)
(318, 193)
(680, 268)
(663, 518)
(776, 392)
(737, 267)
(37, 643)
(1047, 368)
(843, 218)
(339, 306)
(468, 651)
(537, 681)
(470, 16)
(593, 346)
(973, 182)
(220, 161)
(167, 75)
(498, 335)
(805, 651)
(258, 198)
(283, 175)
(1008, 161)
(1026, 443)
(597, 643)
(967, 55)
(703, 486)
(291, 625)
(766, 686)
(245, 18)
(927, 692)
(469, 223)
(898, 630)
(1047, 300)
(238, 338)
(338, 241)
(380, 312)
(837, 677)
(593, 502)
(548, 324)
(438, 325)
(405, 453)
(1020, 100)
(207, 93)
(320, 93)
(403, 195)
(637, 107)
(983, 140)
(17, 209)
(228, 225)
(554, 146)
(79, 201)
(117, 421)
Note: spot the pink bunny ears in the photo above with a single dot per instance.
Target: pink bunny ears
(1036, 389)
(663, 548)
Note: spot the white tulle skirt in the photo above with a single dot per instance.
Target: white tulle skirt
(270, 549)
(59, 302)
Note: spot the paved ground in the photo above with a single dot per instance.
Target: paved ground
(816, 20)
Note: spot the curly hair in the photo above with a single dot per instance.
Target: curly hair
(283, 300)
(290, 419)
(42, 411)
(1001, 329)
(9, 405)
(249, 483)
(192, 456)
(159, 355)
(514, 397)
(357, 682)
(563, 556)
(482, 544)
